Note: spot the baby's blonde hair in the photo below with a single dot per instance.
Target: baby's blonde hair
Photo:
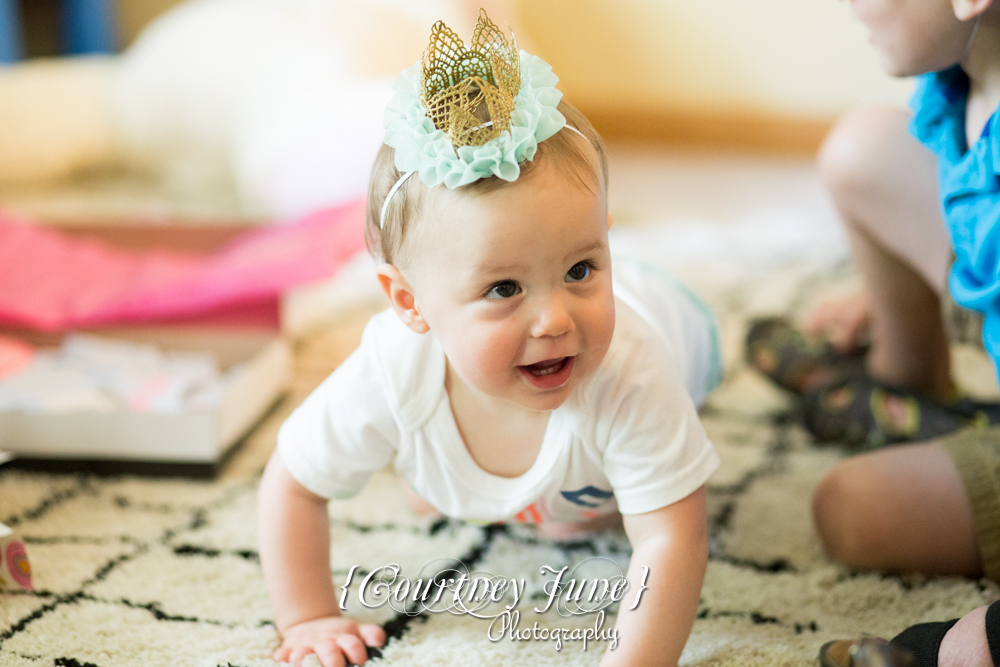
(386, 244)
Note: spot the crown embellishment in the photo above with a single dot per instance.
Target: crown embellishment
(469, 93)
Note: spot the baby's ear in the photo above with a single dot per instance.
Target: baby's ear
(966, 10)
(401, 297)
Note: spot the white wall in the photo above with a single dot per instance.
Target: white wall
(789, 57)
(798, 57)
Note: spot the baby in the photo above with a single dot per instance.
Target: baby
(516, 376)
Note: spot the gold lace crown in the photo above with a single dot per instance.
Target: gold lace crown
(469, 93)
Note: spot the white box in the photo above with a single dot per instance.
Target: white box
(190, 444)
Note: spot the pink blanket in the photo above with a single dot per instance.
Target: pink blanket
(51, 282)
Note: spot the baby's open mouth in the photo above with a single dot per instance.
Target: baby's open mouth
(547, 367)
(549, 373)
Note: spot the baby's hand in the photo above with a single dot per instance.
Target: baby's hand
(335, 640)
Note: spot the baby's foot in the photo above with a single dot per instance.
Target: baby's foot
(561, 531)
(417, 505)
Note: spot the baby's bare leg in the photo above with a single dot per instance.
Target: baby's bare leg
(568, 530)
(884, 184)
(418, 505)
(900, 509)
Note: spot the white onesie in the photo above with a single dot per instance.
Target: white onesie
(627, 439)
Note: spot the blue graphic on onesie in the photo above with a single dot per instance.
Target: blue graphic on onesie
(577, 497)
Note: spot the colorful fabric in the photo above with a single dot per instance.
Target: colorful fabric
(969, 190)
(53, 282)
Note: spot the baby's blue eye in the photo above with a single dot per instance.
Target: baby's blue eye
(504, 290)
(579, 272)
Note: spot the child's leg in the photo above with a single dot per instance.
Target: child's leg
(884, 184)
(902, 509)
(969, 641)
(965, 644)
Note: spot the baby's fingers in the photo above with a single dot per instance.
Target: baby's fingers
(281, 655)
(373, 635)
(329, 654)
(353, 647)
(297, 654)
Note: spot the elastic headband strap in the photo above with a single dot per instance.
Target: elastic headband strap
(402, 179)
(388, 197)
(570, 127)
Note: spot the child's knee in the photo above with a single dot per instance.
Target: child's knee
(842, 510)
(849, 158)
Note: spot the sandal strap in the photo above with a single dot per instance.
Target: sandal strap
(923, 641)
(864, 652)
(866, 413)
(993, 631)
(787, 356)
(981, 414)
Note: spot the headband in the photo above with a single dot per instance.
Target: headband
(402, 179)
(434, 120)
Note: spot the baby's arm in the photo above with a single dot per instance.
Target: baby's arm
(673, 543)
(294, 544)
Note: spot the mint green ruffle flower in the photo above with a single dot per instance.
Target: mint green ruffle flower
(423, 148)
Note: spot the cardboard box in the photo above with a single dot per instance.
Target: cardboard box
(156, 443)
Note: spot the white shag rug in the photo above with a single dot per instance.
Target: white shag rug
(141, 571)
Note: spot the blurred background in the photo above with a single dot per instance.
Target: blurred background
(785, 57)
(189, 96)
(194, 116)
(802, 62)
(204, 162)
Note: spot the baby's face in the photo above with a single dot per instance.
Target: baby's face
(914, 36)
(516, 284)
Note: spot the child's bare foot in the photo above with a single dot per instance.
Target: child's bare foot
(559, 531)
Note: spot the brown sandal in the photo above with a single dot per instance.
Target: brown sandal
(866, 652)
(793, 360)
(863, 413)
(916, 646)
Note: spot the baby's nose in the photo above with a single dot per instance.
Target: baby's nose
(553, 319)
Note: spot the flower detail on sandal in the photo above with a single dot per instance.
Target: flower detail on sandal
(863, 413)
(897, 415)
